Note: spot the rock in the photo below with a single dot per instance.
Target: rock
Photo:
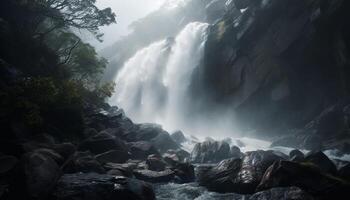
(114, 156)
(288, 193)
(253, 168)
(322, 161)
(239, 175)
(93, 186)
(41, 174)
(306, 176)
(155, 163)
(101, 143)
(235, 152)
(185, 172)
(64, 149)
(296, 155)
(220, 178)
(82, 162)
(344, 172)
(178, 137)
(90, 132)
(241, 4)
(173, 156)
(210, 152)
(52, 154)
(7, 163)
(155, 177)
(125, 168)
(164, 142)
(142, 149)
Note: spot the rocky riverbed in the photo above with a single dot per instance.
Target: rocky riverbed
(122, 160)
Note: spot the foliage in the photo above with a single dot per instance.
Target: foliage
(48, 75)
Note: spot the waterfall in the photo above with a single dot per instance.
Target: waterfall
(152, 86)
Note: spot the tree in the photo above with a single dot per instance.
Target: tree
(44, 16)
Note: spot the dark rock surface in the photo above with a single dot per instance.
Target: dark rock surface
(239, 175)
(178, 137)
(114, 156)
(306, 176)
(142, 149)
(82, 162)
(210, 151)
(101, 187)
(322, 161)
(155, 177)
(40, 175)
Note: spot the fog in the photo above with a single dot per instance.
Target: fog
(126, 13)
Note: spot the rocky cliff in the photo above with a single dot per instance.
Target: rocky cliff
(278, 63)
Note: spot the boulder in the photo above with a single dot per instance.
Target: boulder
(64, 149)
(239, 175)
(282, 193)
(126, 168)
(184, 172)
(322, 161)
(40, 175)
(220, 178)
(235, 152)
(142, 149)
(155, 163)
(52, 154)
(178, 137)
(93, 186)
(164, 142)
(155, 177)
(101, 143)
(113, 156)
(82, 162)
(178, 155)
(306, 176)
(210, 152)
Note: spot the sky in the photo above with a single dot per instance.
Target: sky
(126, 12)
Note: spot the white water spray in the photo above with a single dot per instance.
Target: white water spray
(152, 86)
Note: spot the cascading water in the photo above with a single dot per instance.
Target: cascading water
(152, 86)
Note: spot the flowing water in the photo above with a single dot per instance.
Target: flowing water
(152, 86)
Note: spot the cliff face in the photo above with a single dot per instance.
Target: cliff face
(278, 63)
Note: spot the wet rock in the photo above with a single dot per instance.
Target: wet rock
(306, 176)
(253, 168)
(113, 156)
(239, 175)
(93, 186)
(142, 149)
(322, 161)
(288, 193)
(173, 156)
(82, 162)
(210, 152)
(155, 177)
(155, 163)
(40, 175)
(101, 143)
(235, 152)
(220, 178)
(185, 172)
(126, 168)
(178, 137)
(164, 142)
